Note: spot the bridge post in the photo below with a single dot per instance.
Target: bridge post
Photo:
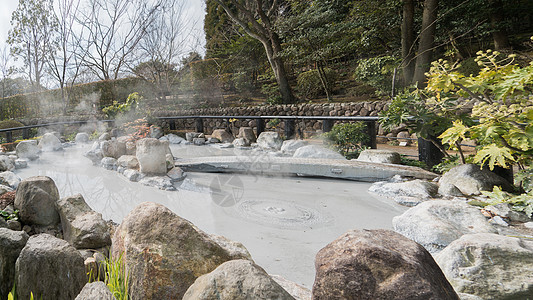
(327, 124)
(289, 128)
(260, 123)
(9, 136)
(172, 124)
(429, 153)
(199, 124)
(371, 132)
(26, 133)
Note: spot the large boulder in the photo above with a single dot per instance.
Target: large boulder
(315, 151)
(269, 140)
(95, 291)
(50, 142)
(82, 227)
(489, 266)
(290, 146)
(471, 180)
(10, 179)
(27, 149)
(151, 154)
(222, 135)
(236, 280)
(408, 193)
(6, 164)
(380, 156)
(247, 133)
(378, 264)
(49, 268)
(11, 243)
(36, 199)
(128, 162)
(82, 138)
(113, 148)
(95, 154)
(164, 253)
(435, 224)
(109, 163)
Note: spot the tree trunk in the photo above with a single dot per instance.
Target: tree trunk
(427, 39)
(323, 79)
(408, 39)
(501, 40)
(272, 49)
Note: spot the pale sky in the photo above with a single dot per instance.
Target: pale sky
(194, 8)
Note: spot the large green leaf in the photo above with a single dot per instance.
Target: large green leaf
(495, 155)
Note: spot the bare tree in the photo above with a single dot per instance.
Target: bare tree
(113, 29)
(6, 69)
(257, 18)
(30, 36)
(166, 40)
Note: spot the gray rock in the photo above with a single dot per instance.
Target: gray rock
(225, 146)
(222, 135)
(189, 136)
(6, 164)
(10, 179)
(435, 224)
(95, 291)
(113, 148)
(49, 268)
(295, 290)
(133, 175)
(128, 162)
(529, 225)
(198, 141)
(233, 248)
(290, 146)
(236, 280)
(489, 266)
(156, 132)
(82, 138)
(471, 180)
(380, 156)
(504, 210)
(50, 142)
(315, 151)
(14, 225)
(82, 227)
(378, 264)
(35, 199)
(247, 133)
(213, 140)
(11, 243)
(151, 154)
(104, 137)
(95, 154)
(109, 163)
(497, 220)
(447, 189)
(176, 174)
(464, 296)
(160, 182)
(3, 223)
(269, 140)
(164, 253)
(172, 139)
(27, 149)
(240, 142)
(21, 163)
(414, 188)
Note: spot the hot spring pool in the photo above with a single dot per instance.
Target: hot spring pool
(282, 221)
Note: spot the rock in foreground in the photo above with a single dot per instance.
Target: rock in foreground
(36, 198)
(378, 265)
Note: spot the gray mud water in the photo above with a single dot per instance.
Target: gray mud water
(282, 221)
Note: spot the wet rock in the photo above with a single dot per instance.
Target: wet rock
(35, 199)
(176, 174)
(95, 291)
(156, 132)
(164, 253)
(151, 154)
(471, 180)
(247, 133)
(82, 138)
(489, 266)
(21, 163)
(104, 137)
(407, 193)
(44, 267)
(10, 179)
(133, 175)
(198, 141)
(222, 135)
(113, 148)
(435, 224)
(6, 164)
(240, 142)
(297, 291)
(27, 149)
(172, 139)
(50, 142)
(236, 280)
(109, 163)
(213, 140)
(95, 154)
(378, 264)
(82, 227)
(290, 146)
(11, 243)
(380, 156)
(315, 151)
(128, 162)
(269, 140)
(504, 210)
(189, 136)
(160, 182)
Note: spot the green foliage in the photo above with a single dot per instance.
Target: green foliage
(117, 277)
(270, 89)
(347, 137)
(132, 102)
(377, 72)
(523, 202)
(13, 294)
(10, 216)
(274, 123)
(405, 160)
(310, 86)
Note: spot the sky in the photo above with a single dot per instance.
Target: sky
(194, 8)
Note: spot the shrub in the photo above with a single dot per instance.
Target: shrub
(347, 138)
(376, 72)
(310, 86)
(132, 102)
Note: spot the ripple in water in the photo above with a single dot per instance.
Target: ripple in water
(281, 214)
